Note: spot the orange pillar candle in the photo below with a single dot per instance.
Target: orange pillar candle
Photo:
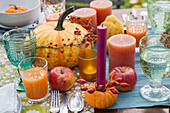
(122, 51)
(103, 8)
(86, 14)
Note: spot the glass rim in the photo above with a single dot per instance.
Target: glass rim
(127, 18)
(19, 67)
(5, 34)
(89, 58)
(140, 45)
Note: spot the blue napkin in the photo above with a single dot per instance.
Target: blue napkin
(133, 99)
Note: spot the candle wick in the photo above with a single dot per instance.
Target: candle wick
(102, 25)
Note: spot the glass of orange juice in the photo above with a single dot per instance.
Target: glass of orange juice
(136, 26)
(88, 64)
(53, 8)
(34, 74)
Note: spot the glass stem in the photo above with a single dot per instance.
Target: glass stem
(20, 85)
(156, 85)
(19, 76)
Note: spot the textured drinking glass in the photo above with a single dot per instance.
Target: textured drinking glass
(136, 27)
(159, 14)
(155, 62)
(34, 74)
(52, 8)
(88, 64)
(19, 44)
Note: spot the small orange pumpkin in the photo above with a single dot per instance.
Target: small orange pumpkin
(15, 9)
(99, 99)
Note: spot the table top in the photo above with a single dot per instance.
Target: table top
(118, 13)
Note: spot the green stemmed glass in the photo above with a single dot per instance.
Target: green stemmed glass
(19, 44)
(155, 62)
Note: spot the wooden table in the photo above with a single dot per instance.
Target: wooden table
(118, 13)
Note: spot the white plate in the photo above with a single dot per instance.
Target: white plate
(19, 104)
(41, 20)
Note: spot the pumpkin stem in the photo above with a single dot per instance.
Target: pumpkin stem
(14, 6)
(62, 17)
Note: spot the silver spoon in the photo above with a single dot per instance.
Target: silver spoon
(75, 102)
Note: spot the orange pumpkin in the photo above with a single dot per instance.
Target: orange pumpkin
(99, 99)
(15, 9)
(54, 43)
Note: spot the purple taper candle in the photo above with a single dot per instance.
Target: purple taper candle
(101, 55)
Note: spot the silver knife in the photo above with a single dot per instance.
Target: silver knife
(63, 104)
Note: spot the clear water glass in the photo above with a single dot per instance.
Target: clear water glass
(19, 44)
(159, 14)
(155, 63)
(53, 6)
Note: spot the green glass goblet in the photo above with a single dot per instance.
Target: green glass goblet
(155, 62)
(19, 44)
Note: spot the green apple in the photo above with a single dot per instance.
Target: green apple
(107, 45)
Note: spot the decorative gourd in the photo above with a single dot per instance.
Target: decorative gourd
(99, 99)
(15, 9)
(114, 26)
(59, 45)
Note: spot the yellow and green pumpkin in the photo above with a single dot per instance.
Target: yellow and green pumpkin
(55, 43)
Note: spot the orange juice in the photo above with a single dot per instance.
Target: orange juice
(53, 16)
(137, 31)
(35, 83)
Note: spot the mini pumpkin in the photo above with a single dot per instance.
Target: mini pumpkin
(15, 9)
(99, 99)
(59, 45)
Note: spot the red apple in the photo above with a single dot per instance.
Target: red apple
(61, 78)
(124, 74)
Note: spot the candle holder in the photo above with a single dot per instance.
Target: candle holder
(88, 64)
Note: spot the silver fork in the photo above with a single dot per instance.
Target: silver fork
(55, 102)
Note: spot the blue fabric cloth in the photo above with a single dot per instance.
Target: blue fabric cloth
(133, 99)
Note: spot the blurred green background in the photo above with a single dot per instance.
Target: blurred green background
(128, 4)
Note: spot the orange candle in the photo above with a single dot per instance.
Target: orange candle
(86, 14)
(103, 9)
(122, 51)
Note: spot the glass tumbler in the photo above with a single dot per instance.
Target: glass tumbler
(136, 27)
(88, 64)
(34, 74)
(53, 9)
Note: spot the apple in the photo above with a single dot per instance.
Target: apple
(61, 78)
(124, 74)
(107, 45)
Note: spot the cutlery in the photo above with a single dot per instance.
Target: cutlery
(75, 102)
(63, 104)
(124, 17)
(55, 102)
(133, 12)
